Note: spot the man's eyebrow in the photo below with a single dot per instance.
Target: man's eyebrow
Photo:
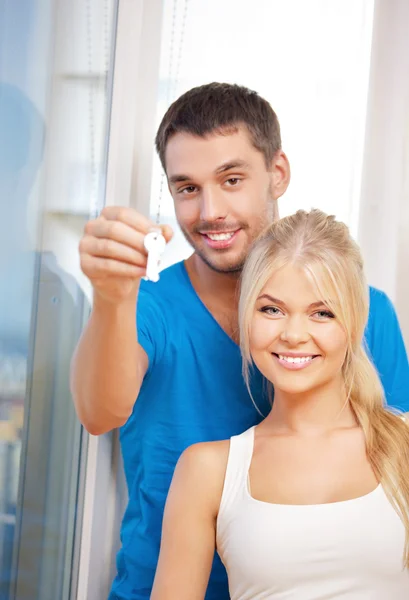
(178, 178)
(227, 166)
(232, 164)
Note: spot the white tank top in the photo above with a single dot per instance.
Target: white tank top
(351, 550)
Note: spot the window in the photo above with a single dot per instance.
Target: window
(55, 62)
(310, 60)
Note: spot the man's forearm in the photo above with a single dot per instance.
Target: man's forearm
(108, 367)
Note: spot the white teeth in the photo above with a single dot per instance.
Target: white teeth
(218, 237)
(295, 359)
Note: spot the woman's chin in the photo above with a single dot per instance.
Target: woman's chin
(293, 384)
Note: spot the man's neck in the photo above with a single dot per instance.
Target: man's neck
(207, 282)
(219, 292)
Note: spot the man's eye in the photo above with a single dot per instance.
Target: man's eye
(232, 181)
(190, 189)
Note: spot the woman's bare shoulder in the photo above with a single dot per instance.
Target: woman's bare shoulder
(201, 471)
(208, 456)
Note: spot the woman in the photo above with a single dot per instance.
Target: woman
(313, 503)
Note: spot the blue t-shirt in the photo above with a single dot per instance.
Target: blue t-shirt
(194, 391)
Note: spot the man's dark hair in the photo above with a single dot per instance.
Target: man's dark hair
(221, 108)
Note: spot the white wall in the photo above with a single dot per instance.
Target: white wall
(384, 203)
(310, 60)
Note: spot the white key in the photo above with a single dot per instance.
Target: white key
(155, 244)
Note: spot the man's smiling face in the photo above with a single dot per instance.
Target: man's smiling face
(224, 193)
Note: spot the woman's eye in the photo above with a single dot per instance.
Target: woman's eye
(271, 310)
(324, 314)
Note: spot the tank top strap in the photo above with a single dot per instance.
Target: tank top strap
(237, 469)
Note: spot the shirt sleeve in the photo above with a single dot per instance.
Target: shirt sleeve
(151, 329)
(387, 350)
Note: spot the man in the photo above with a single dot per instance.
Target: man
(221, 150)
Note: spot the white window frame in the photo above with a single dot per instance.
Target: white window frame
(129, 167)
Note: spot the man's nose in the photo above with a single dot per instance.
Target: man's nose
(212, 205)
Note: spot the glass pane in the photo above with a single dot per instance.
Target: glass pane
(55, 74)
(310, 60)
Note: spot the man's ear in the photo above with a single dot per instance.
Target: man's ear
(280, 174)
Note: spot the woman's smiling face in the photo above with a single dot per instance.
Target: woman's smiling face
(295, 340)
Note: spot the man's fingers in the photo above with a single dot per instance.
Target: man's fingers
(95, 268)
(107, 248)
(116, 231)
(129, 216)
(133, 219)
(125, 226)
(167, 232)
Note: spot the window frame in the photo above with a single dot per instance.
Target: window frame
(128, 183)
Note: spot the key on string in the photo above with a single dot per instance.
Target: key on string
(155, 244)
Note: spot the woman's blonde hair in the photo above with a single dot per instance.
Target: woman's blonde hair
(324, 249)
